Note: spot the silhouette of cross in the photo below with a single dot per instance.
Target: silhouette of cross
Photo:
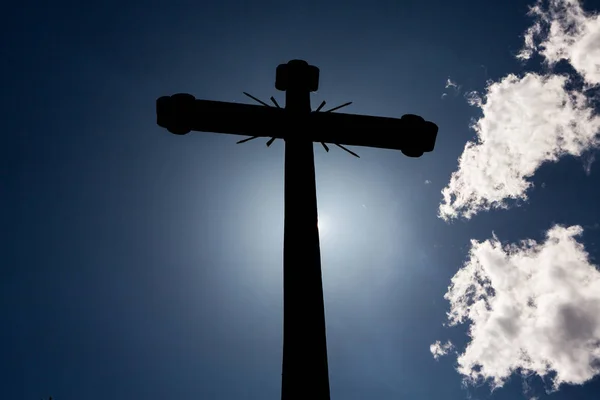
(304, 369)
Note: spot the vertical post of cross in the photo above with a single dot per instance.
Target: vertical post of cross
(305, 372)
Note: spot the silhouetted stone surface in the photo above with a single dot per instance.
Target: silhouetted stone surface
(304, 371)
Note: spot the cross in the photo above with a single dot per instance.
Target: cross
(304, 368)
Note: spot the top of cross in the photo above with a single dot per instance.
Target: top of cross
(182, 113)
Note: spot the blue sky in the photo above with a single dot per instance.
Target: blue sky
(137, 263)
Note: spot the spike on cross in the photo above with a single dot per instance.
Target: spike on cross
(304, 369)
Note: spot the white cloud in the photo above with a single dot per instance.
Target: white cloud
(526, 122)
(531, 308)
(455, 87)
(529, 120)
(427, 182)
(438, 349)
(564, 31)
(451, 84)
(474, 99)
(587, 163)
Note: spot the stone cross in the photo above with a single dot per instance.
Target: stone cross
(304, 369)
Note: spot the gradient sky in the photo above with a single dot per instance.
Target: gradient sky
(139, 264)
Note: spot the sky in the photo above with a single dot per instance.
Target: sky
(136, 263)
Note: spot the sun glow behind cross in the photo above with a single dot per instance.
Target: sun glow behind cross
(324, 225)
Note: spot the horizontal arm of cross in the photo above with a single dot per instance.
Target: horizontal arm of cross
(409, 133)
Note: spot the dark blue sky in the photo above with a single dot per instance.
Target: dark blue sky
(140, 264)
